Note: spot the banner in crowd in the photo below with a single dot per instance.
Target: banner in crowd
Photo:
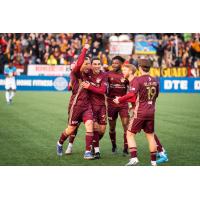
(180, 85)
(48, 70)
(144, 44)
(121, 48)
(145, 48)
(38, 83)
(168, 72)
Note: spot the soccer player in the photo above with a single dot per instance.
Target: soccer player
(79, 107)
(96, 85)
(10, 84)
(128, 71)
(145, 89)
(117, 86)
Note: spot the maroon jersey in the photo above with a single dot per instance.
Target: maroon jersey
(97, 88)
(147, 89)
(79, 95)
(117, 87)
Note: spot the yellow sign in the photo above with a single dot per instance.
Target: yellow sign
(168, 72)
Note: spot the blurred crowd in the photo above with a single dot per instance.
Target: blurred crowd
(23, 49)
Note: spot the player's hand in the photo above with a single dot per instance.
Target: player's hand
(87, 46)
(85, 85)
(116, 100)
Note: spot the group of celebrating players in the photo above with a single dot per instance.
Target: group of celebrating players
(98, 94)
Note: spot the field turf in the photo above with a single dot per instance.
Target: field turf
(30, 127)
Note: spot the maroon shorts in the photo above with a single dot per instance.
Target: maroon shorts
(78, 114)
(136, 125)
(114, 111)
(99, 114)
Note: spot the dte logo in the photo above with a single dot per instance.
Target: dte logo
(176, 84)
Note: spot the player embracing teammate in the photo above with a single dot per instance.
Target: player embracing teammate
(88, 104)
(144, 91)
(79, 109)
(117, 86)
(95, 83)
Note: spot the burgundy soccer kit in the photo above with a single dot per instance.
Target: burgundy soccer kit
(97, 90)
(117, 87)
(143, 90)
(79, 106)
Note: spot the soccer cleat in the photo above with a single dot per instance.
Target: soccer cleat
(153, 163)
(68, 150)
(88, 155)
(133, 162)
(59, 149)
(125, 152)
(97, 155)
(114, 149)
(162, 158)
(158, 154)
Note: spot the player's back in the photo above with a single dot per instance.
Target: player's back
(147, 89)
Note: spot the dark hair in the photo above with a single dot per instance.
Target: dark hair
(145, 64)
(122, 60)
(95, 58)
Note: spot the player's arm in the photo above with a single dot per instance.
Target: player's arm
(81, 59)
(129, 97)
(98, 90)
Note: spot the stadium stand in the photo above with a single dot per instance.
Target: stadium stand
(22, 49)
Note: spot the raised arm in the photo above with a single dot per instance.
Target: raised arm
(81, 58)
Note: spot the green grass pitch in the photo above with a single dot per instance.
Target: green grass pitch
(30, 127)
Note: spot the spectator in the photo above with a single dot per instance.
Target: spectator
(52, 60)
(173, 50)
